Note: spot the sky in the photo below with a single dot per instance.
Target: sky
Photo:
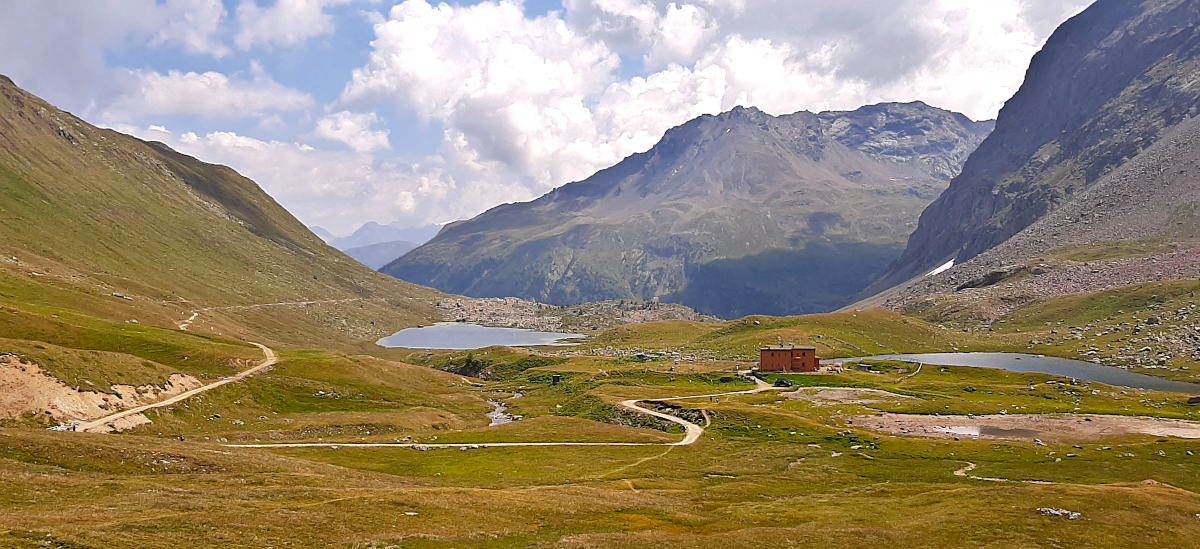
(417, 111)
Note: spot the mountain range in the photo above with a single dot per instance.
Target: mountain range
(733, 214)
(375, 244)
(151, 293)
(371, 233)
(377, 255)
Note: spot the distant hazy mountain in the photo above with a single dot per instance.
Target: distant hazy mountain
(1108, 83)
(378, 255)
(322, 233)
(733, 214)
(377, 233)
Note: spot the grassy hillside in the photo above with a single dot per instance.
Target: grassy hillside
(835, 335)
(125, 264)
(1148, 328)
(765, 472)
(86, 213)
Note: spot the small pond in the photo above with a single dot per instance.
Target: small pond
(1018, 362)
(463, 336)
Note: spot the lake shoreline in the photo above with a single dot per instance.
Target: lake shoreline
(465, 336)
(1040, 364)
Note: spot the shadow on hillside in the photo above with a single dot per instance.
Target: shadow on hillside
(819, 278)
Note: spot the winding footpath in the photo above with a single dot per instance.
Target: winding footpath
(185, 324)
(103, 424)
(692, 431)
(966, 470)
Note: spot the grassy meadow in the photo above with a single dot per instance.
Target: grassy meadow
(770, 470)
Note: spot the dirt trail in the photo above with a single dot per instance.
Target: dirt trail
(185, 324)
(692, 431)
(188, 323)
(285, 303)
(966, 470)
(102, 424)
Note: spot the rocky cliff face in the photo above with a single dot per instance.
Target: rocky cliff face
(1139, 224)
(732, 214)
(1108, 84)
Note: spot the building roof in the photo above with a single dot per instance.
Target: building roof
(786, 348)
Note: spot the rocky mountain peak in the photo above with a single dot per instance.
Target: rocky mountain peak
(738, 196)
(908, 132)
(743, 112)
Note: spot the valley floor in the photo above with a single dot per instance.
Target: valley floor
(372, 447)
(785, 468)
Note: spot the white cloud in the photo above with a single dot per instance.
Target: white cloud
(339, 190)
(353, 129)
(524, 104)
(680, 32)
(540, 102)
(968, 57)
(511, 90)
(286, 23)
(625, 25)
(207, 95)
(194, 25)
(57, 48)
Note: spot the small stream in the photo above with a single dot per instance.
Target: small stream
(499, 416)
(1018, 362)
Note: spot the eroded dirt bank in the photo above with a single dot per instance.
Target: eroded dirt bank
(25, 389)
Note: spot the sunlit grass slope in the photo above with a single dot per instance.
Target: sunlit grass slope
(875, 331)
(93, 211)
(769, 471)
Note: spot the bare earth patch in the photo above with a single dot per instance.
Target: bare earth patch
(842, 395)
(27, 389)
(1027, 426)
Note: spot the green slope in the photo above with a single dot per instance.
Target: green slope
(87, 212)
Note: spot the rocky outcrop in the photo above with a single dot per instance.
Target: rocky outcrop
(732, 214)
(510, 312)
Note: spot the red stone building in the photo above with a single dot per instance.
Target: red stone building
(788, 359)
